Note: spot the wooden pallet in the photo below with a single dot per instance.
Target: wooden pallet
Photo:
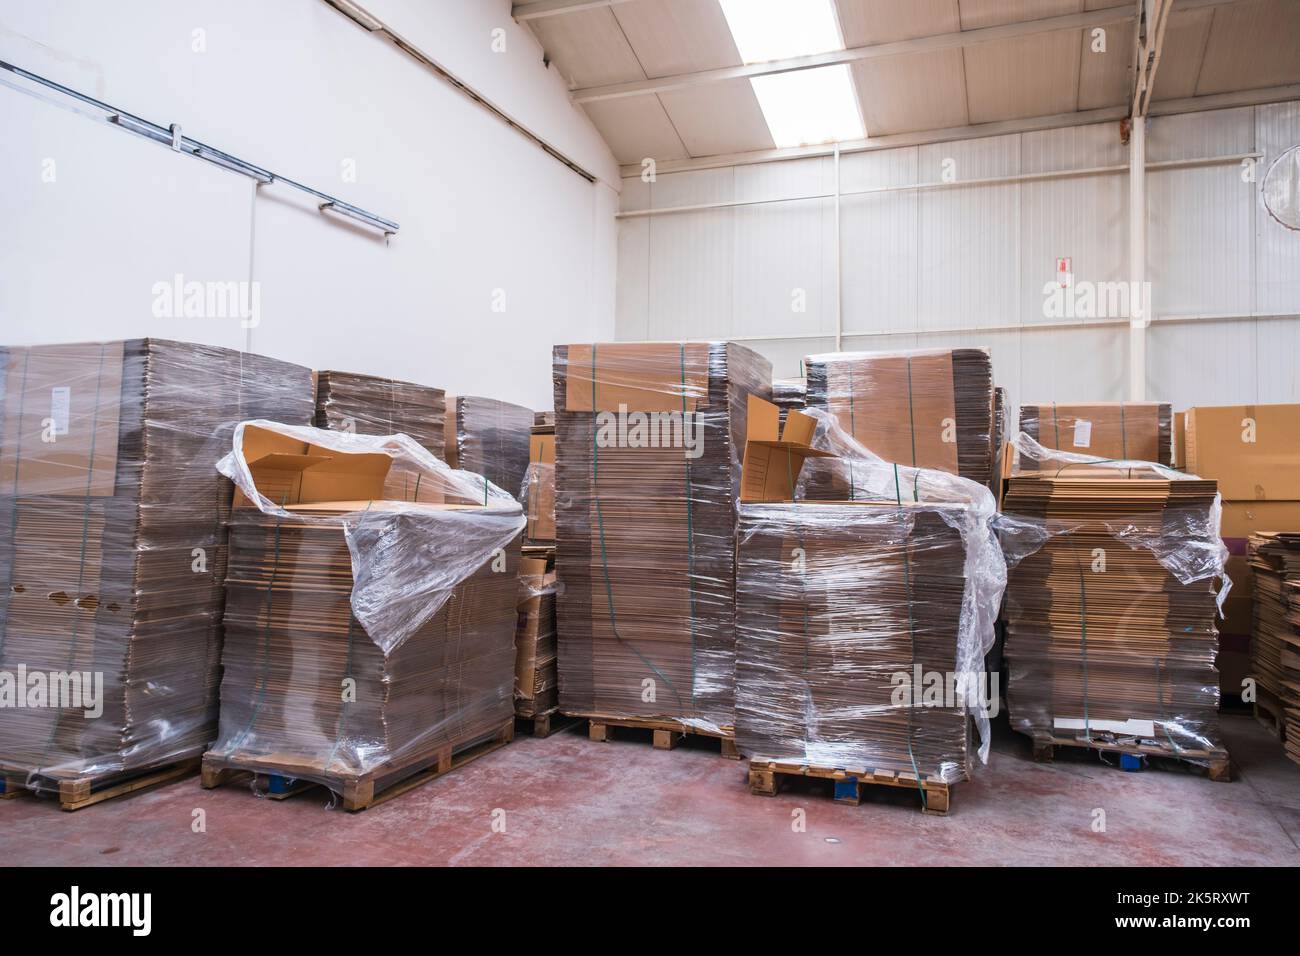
(546, 723)
(83, 790)
(1216, 761)
(1270, 713)
(357, 793)
(766, 777)
(667, 734)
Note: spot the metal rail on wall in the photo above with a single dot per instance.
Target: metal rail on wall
(172, 137)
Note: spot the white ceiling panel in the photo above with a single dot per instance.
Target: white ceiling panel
(718, 118)
(677, 36)
(636, 128)
(864, 22)
(588, 48)
(991, 13)
(900, 94)
(1028, 76)
(1184, 49)
(1106, 78)
(1252, 45)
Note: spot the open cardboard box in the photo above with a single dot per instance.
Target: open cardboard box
(773, 455)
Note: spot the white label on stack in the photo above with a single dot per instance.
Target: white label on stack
(1082, 433)
(60, 408)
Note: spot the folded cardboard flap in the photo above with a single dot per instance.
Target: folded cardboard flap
(293, 472)
(771, 465)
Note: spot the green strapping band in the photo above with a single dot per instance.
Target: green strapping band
(911, 628)
(600, 526)
(1123, 433)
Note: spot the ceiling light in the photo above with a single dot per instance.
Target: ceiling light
(775, 29)
(810, 106)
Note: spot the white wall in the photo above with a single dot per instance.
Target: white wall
(294, 86)
(919, 261)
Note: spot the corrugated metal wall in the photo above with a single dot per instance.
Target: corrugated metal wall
(921, 265)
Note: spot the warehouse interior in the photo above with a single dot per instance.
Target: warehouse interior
(337, 336)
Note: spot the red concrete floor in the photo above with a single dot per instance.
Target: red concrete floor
(569, 801)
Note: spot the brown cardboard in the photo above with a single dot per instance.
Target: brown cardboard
(292, 472)
(638, 376)
(1115, 430)
(75, 389)
(1252, 451)
(541, 487)
(1180, 440)
(772, 463)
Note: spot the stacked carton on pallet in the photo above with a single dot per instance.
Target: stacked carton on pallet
(1275, 561)
(490, 438)
(113, 549)
(839, 604)
(1253, 452)
(648, 440)
(370, 405)
(366, 662)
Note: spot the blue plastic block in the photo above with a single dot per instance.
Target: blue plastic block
(846, 789)
(278, 784)
(1130, 762)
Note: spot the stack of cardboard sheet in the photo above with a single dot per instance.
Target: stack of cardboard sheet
(1275, 560)
(1253, 452)
(1128, 431)
(927, 408)
(539, 484)
(788, 393)
(308, 691)
(834, 601)
(113, 548)
(648, 439)
(537, 685)
(1106, 644)
(491, 438)
(370, 405)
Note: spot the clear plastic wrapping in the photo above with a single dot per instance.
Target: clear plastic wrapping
(114, 545)
(1275, 648)
(537, 685)
(847, 611)
(1111, 602)
(490, 438)
(648, 445)
(538, 492)
(366, 634)
(928, 408)
(371, 405)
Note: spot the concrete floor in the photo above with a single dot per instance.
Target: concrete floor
(569, 801)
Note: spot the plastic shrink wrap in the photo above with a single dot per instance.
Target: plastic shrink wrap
(928, 408)
(1275, 641)
(371, 405)
(537, 685)
(1111, 604)
(538, 492)
(648, 442)
(490, 438)
(862, 624)
(113, 549)
(370, 614)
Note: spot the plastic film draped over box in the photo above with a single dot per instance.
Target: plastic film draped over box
(847, 610)
(113, 544)
(648, 440)
(1111, 602)
(365, 635)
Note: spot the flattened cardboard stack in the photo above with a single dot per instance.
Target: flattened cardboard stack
(1106, 646)
(788, 393)
(537, 684)
(1275, 560)
(645, 531)
(293, 641)
(491, 439)
(1253, 452)
(113, 548)
(539, 483)
(877, 592)
(927, 408)
(1125, 431)
(370, 405)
